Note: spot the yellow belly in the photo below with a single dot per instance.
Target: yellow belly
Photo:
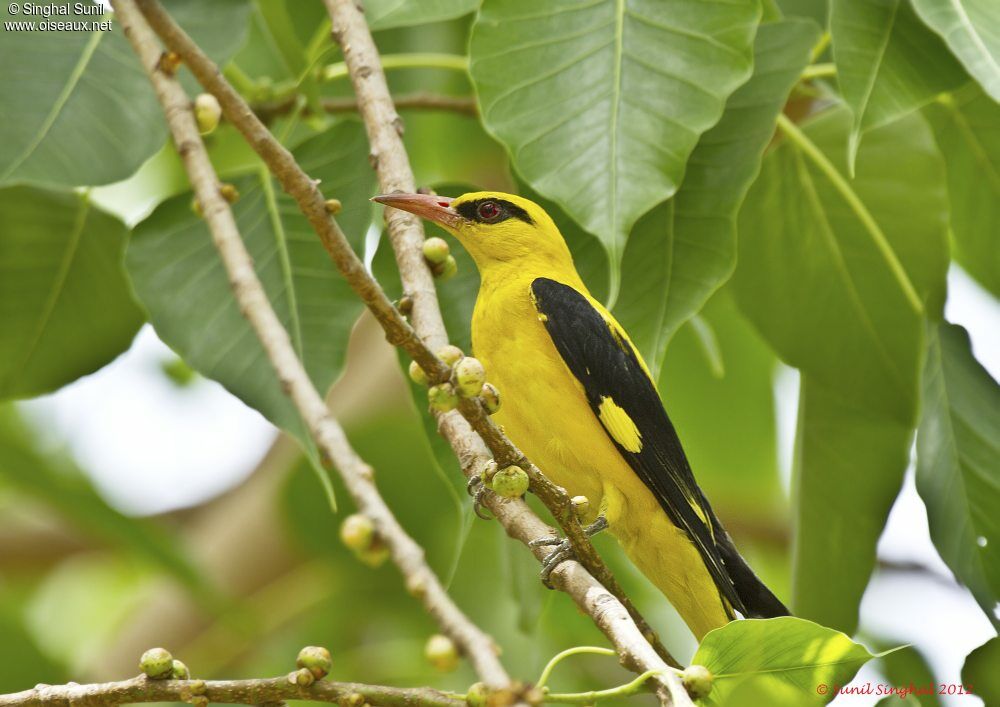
(546, 414)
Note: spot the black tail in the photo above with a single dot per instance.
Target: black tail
(759, 601)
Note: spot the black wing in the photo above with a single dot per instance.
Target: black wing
(607, 367)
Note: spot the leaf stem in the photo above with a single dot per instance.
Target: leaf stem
(629, 688)
(419, 60)
(795, 134)
(821, 45)
(576, 650)
(818, 71)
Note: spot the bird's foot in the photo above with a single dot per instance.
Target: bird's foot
(563, 549)
(478, 490)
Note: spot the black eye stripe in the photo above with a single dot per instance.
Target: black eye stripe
(470, 210)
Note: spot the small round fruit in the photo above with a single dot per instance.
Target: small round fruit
(417, 374)
(450, 354)
(230, 193)
(477, 695)
(440, 652)
(375, 556)
(697, 681)
(357, 532)
(469, 376)
(302, 677)
(581, 504)
(436, 250)
(333, 206)
(207, 112)
(442, 397)
(510, 482)
(316, 660)
(491, 397)
(179, 671)
(446, 270)
(157, 663)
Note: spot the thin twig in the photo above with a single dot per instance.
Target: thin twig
(328, 435)
(464, 105)
(607, 611)
(247, 692)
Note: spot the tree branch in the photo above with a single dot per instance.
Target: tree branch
(328, 435)
(610, 613)
(268, 111)
(256, 691)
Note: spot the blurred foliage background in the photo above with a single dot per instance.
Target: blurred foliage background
(215, 540)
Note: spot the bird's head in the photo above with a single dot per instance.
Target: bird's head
(494, 227)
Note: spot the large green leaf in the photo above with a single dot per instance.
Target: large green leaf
(64, 299)
(816, 10)
(970, 28)
(78, 108)
(385, 14)
(888, 62)
(55, 481)
(601, 103)
(958, 463)
(837, 276)
(680, 253)
(717, 383)
(181, 281)
(967, 128)
(980, 671)
(848, 469)
(790, 656)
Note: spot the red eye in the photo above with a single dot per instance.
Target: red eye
(488, 210)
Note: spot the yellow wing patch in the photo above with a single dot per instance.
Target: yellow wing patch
(619, 425)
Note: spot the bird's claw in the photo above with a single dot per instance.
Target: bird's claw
(478, 491)
(563, 549)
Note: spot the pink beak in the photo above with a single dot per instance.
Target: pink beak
(433, 208)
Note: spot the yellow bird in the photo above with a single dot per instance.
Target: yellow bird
(579, 401)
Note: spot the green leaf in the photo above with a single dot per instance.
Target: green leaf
(589, 257)
(877, 245)
(816, 10)
(837, 276)
(967, 128)
(181, 281)
(793, 655)
(908, 666)
(888, 62)
(57, 482)
(732, 399)
(980, 672)
(64, 299)
(969, 27)
(681, 252)
(601, 103)
(849, 466)
(79, 109)
(385, 14)
(958, 463)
